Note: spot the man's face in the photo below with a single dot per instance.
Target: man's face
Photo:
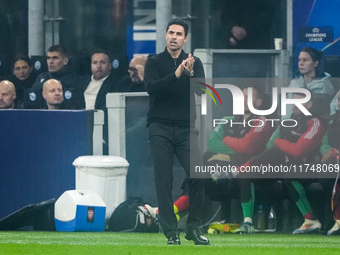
(100, 65)
(55, 61)
(296, 110)
(175, 37)
(22, 70)
(256, 101)
(53, 93)
(7, 96)
(134, 76)
(136, 70)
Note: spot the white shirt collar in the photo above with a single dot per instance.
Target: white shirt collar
(101, 80)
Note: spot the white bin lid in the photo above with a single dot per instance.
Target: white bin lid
(101, 161)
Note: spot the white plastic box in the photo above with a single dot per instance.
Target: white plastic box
(79, 210)
(105, 175)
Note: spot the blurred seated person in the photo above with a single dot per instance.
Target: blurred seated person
(330, 151)
(247, 24)
(134, 82)
(58, 68)
(235, 144)
(311, 76)
(53, 95)
(331, 141)
(7, 95)
(100, 82)
(96, 86)
(23, 76)
(292, 145)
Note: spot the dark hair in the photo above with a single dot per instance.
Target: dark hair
(259, 91)
(259, 94)
(58, 48)
(22, 57)
(101, 51)
(179, 22)
(316, 55)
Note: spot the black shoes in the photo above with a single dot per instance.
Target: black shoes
(197, 236)
(174, 239)
(191, 235)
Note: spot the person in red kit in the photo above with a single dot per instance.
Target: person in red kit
(237, 144)
(234, 144)
(330, 150)
(289, 146)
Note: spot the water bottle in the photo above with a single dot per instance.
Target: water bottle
(260, 219)
(272, 220)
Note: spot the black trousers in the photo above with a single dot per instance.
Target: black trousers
(165, 142)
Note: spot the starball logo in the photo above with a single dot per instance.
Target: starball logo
(208, 92)
(238, 102)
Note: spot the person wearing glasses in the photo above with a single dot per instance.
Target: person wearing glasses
(134, 82)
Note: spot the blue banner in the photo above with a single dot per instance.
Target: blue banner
(141, 28)
(313, 15)
(316, 34)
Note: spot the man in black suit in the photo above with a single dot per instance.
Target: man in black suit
(96, 86)
(101, 82)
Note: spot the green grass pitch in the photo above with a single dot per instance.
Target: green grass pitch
(74, 243)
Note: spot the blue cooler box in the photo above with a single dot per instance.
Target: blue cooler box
(79, 210)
